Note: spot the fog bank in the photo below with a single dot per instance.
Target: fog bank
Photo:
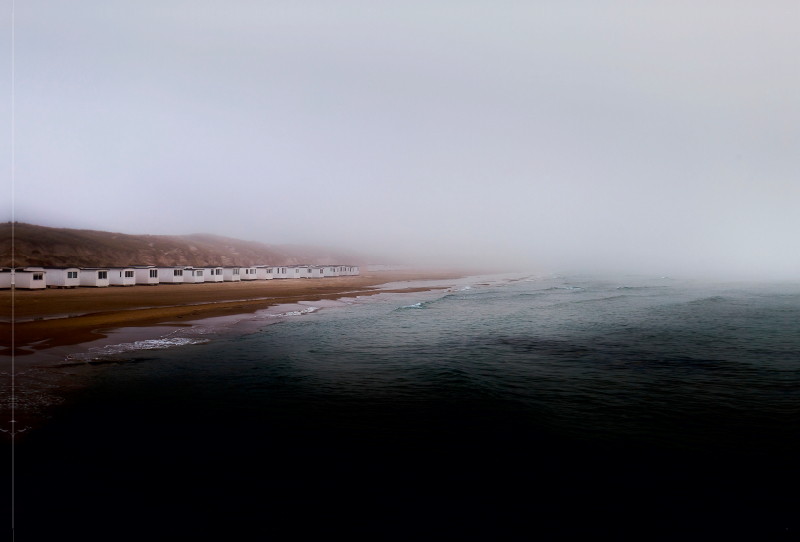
(657, 137)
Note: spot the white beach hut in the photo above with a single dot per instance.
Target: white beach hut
(63, 277)
(94, 277)
(121, 276)
(193, 275)
(280, 272)
(5, 278)
(298, 272)
(231, 274)
(171, 275)
(247, 273)
(315, 272)
(330, 271)
(145, 274)
(213, 274)
(29, 278)
(264, 272)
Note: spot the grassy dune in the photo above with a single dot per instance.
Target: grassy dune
(39, 245)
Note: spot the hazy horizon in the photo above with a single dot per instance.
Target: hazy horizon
(655, 138)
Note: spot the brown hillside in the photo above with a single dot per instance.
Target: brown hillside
(40, 245)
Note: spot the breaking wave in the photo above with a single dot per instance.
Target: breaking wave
(150, 344)
(309, 310)
(420, 305)
(564, 288)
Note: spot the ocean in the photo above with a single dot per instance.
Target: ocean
(501, 402)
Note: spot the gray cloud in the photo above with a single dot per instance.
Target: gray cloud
(636, 137)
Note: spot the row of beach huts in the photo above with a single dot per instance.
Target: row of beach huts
(32, 278)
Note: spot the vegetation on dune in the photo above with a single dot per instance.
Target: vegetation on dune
(40, 245)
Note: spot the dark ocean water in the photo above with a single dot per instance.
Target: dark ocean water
(577, 403)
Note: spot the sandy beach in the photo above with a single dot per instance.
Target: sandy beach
(55, 317)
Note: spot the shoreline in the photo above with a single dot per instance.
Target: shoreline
(53, 371)
(53, 318)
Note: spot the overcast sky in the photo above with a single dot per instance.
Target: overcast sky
(655, 137)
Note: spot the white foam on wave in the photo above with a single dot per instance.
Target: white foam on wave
(150, 344)
(309, 310)
(414, 306)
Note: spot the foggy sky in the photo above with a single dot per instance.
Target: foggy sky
(634, 137)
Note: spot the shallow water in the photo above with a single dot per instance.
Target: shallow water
(629, 397)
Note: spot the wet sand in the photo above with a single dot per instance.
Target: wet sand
(53, 317)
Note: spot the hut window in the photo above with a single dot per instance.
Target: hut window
(177, 272)
(199, 273)
(128, 274)
(102, 275)
(153, 273)
(38, 276)
(72, 274)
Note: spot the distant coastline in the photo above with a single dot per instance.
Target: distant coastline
(50, 318)
(61, 247)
